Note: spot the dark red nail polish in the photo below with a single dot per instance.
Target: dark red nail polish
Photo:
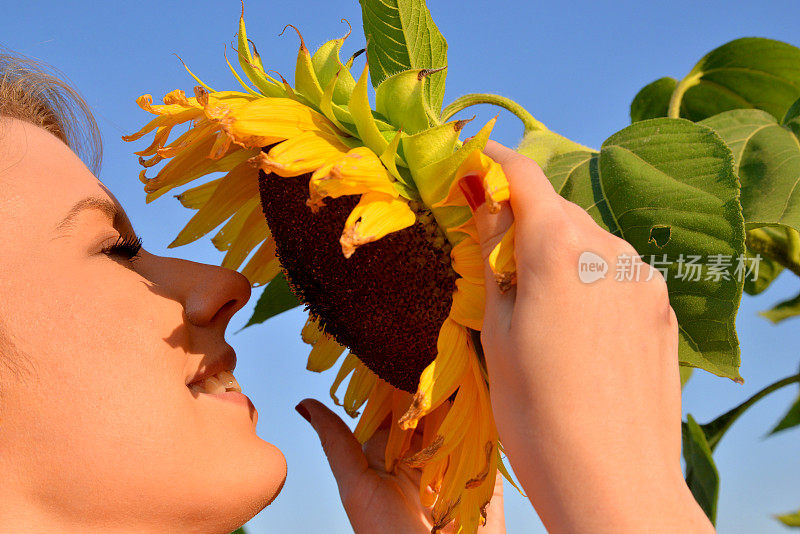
(472, 187)
(303, 412)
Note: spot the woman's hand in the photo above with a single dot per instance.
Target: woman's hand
(374, 500)
(583, 376)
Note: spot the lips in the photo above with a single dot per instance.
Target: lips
(217, 383)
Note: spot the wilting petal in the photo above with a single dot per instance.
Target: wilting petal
(236, 188)
(311, 331)
(444, 374)
(469, 301)
(302, 154)
(324, 354)
(359, 171)
(358, 389)
(375, 216)
(168, 115)
(502, 261)
(348, 365)
(191, 164)
(263, 266)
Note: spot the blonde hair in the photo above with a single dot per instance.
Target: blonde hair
(34, 92)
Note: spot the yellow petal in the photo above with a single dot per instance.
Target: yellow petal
(469, 301)
(379, 405)
(359, 171)
(301, 154)
(459, 418)
(443, 375)
(502, 261)
(468, 260)
(230, 231)
(358, 389)
(263, 266)
(266, 121)
(254, 230)
(195, 197)
(236, 188)
(399, 438)
(200, 131)
(375, 216)
(492, 180)
(324, 354)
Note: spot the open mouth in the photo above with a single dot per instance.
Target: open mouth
(221, 382)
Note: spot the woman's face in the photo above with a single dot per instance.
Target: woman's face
(98, 426)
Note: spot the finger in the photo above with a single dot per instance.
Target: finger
(534, 202)
(342, 449)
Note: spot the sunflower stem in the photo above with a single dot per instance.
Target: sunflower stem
(461, 103)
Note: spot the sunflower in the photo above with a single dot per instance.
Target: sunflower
(364, 214)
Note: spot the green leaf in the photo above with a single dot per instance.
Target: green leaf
(686, 374)
(783, 310)
(401, 35)
(670, 173)
(745, 73)
(652, 100)
(790, 420)
(790, 520)
(239, 530)
(276, 298)
(767, 160)
(768, 271)
(702, 476)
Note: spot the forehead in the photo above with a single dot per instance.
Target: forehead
(40, 178)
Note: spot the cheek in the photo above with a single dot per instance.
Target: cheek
(107, 369)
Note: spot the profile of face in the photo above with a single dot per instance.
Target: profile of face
(104, 423)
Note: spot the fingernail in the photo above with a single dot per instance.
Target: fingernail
(303, 412)
(472, 187)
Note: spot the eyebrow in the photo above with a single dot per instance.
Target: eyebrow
(88, 203)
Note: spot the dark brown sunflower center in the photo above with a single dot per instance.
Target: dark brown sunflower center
(386, 302)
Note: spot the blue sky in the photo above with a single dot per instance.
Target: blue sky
(574, 65)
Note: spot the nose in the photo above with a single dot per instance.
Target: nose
(210, 294)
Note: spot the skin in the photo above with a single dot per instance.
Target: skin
(98, 430)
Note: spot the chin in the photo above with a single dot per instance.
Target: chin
(245, 485)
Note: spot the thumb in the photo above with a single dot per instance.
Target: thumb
(344, 452)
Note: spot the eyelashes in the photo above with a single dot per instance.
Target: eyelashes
(128, 247)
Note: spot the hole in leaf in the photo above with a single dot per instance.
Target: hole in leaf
(659, 235)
